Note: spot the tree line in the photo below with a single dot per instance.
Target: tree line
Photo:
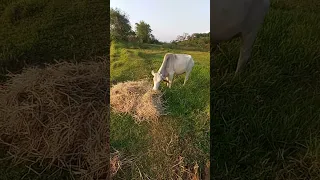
(196, 40)
(121, 30)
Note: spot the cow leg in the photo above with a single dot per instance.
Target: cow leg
(187, 77)
(245, 50)
(167, 78)
(248, 37)
(170, 79)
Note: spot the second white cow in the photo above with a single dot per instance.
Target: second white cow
(172, 64)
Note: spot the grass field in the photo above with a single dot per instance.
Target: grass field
(154, 148)
(265, 123)
(34, 32)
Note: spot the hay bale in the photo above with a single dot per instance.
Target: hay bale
(138, 99)
(58, 115)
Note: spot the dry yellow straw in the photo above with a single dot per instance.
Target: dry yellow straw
(138, 99)
(58, 116)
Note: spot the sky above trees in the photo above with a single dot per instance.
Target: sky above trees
(168, 18)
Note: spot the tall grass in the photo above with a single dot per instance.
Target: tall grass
(34, 32)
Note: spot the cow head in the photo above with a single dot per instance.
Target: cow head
(157, 78)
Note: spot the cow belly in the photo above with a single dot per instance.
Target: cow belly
(181, 67)
(180, 71)
(227, 18)
(227, 34)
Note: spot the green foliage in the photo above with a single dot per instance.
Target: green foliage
(138, 53)
(120, 27)
(124, 55)
(117, 64)
(143, 32)
(196, 41)
(113, 50)
(21, 9)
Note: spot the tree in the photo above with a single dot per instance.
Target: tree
(120, 27)
(179, 38)
(154, 40)
(143, 32)
(185, 36)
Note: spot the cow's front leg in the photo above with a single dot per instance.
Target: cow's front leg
(170, 79)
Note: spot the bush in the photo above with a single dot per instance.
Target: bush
(124, 55)
(113, 49)
(137, 53)
(22, 9)
(117, 64)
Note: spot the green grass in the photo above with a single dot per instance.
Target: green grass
(265, 123)
(185, 132)
(35, 32)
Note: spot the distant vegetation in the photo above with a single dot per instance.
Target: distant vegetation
(199, 41)
(121, 30)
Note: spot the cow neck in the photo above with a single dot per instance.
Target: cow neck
(162, 69)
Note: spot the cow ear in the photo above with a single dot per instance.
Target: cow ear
(152, 72)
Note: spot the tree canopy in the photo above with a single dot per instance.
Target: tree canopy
(143, 32)
(120, 27)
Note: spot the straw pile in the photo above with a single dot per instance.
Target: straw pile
(137, 99)
(58, 117)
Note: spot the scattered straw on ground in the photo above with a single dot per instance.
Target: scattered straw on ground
(58, 115)
(138, 99)
(190, 172)
(117, 161)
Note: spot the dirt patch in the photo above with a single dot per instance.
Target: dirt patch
(58, 116)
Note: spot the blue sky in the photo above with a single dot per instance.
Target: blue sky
(168, 18)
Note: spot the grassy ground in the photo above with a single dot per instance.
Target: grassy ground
(265, 123)
(154, 148)
(34, 32)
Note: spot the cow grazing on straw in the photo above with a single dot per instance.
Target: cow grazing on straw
(237, 18)
(172, 64)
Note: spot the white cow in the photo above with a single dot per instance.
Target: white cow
(237, 18)
(172, 64)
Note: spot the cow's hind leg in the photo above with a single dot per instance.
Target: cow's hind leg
(170, 79)
(245, 50)
(187, 77)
